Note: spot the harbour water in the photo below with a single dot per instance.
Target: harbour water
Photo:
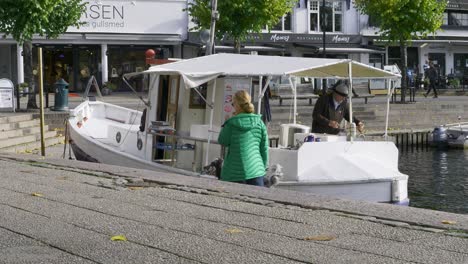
(438, 179)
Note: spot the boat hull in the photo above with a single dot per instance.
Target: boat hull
(363, 191)
(360, 170)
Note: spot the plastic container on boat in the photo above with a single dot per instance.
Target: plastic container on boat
(287, 132)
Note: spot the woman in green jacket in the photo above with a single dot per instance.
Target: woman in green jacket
(245, 137)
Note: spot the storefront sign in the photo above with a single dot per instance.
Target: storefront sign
(303, 38)
(148, 17)
(280, 38)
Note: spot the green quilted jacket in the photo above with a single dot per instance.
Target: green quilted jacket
(246, 139)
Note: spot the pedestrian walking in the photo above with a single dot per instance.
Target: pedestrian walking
(432, 76)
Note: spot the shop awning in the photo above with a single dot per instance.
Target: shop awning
(249, 48)
(200, 70)
(351, 50)
(111, 38)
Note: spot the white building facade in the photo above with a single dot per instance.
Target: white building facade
(300, 34)
(117, 33)
(112, 42)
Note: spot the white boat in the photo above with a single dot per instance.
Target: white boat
(450, 135)
(180, 136)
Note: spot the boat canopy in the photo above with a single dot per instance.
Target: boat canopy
(200, 70)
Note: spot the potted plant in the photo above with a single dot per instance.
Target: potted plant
(24, 88)
(108, 87)
(454, 83)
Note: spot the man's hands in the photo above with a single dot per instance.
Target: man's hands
(333, 124)
(360, 127)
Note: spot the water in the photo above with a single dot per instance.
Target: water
(438, 179)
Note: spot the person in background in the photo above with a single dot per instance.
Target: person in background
(425, 68)
(245, 137)
(432, 75)
(330, 109)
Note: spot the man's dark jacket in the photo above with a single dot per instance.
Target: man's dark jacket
(324, 111)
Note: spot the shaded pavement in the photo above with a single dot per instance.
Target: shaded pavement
(62, 211)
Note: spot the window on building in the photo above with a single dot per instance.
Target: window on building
(445, 19)
(283, 25)
(455, 18)
(331, 14)
(376, 60)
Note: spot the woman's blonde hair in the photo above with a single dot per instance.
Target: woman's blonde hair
(242, 99)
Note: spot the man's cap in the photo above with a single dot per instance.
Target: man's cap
(341, 89)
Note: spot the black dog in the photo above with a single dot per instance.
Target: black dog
(214, 168)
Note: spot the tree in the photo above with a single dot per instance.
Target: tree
(238, 18)
(22, 19)
(401, 21)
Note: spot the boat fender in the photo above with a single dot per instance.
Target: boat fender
(143, 121)
(118, 137)
(139, 144)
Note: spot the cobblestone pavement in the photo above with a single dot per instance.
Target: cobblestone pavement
(63, 211)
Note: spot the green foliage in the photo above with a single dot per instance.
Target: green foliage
(23, 18)
(110, 86)
(455, 82)
(401, 21)
(237, 18)
(404, 20)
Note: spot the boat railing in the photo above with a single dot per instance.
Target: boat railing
(456, 124)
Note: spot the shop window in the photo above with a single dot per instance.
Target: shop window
(88, 57)
(58, 64)
(127, 59)
(460, 64)
(331, 13)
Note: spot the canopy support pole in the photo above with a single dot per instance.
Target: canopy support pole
(350, 96)
(261, 92)
(292, 82)
(153, 89)
(259, 95)
(210, 130)
(389, 95)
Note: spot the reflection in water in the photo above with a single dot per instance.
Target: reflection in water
(438, 179)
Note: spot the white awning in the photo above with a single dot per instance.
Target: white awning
(199, 70)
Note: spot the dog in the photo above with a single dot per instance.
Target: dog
(273, 175)
(214, 168)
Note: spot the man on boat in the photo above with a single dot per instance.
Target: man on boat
(330, 110)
